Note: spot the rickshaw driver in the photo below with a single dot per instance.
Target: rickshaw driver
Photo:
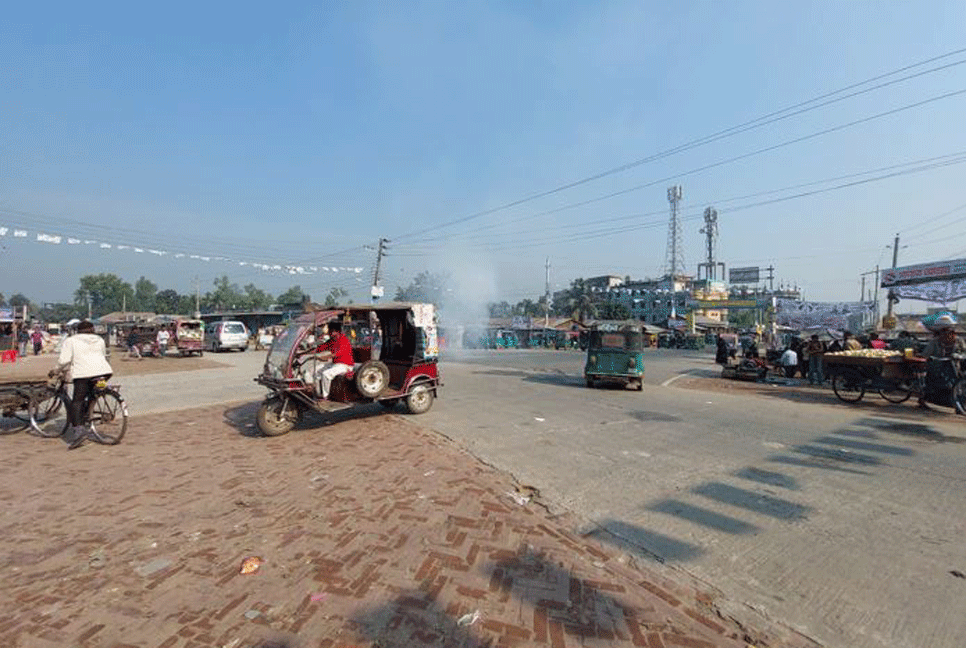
(945, 344)
(340, 350)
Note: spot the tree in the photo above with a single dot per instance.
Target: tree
(61, 312)
(426, 287)
(742, 319)
(502, 309)
(168, 301)
(292, 297)
(580, 300)
(256, 298)
(106, 293)
(3, 300)
(225, 296)
(18, 300)
(145, 292)
(614, 311)
(335, 296)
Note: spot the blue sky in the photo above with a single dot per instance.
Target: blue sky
(298, 134)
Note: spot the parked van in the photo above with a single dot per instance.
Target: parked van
(220, 336)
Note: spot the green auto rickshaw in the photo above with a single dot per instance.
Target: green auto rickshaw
(615, 353)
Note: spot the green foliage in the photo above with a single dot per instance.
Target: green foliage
(169, 301)
(426, 287)
(107, 293)
(61, 312)
(579, 301)
(742, 319)
(3, 300)
(292, 297)
(502, 309)
(335, 297)
(256, 298)
(18, 300)
(613, 311)
(145, 292)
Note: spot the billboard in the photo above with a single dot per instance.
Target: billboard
(730, 304)
(914, 274)
(743, 275)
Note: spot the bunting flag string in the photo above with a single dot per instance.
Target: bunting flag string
(57, 239)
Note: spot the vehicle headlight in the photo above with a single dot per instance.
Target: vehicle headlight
(592, 359)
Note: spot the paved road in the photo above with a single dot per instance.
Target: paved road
(845, 524)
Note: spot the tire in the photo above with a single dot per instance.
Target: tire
(640, 384)
(49, 414)
(849, 385)
(107, 417)
(959, 396)
(271, 420)
(897, 395)
(420, 398)
(51, 417)
(590, 382)
(372, 378)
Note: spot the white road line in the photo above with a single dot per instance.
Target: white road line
(673, 378)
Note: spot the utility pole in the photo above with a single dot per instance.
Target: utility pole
(377, 291)
(89, 306)
(546, 298)
(895, 261)
(771, 278)
(197, 298)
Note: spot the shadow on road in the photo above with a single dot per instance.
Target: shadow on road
(242, 417)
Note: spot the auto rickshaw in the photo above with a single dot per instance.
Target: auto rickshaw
(615, 353)
(189, 336)
(394, 348)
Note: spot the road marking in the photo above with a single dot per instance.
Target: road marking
(673, 378)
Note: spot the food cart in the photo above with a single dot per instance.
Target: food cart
(892, 374)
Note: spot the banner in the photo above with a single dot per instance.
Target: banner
(924, 272)
(831, 315)
(942, 292)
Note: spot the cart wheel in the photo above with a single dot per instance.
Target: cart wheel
(849, 386)
(277, 416)
(959, 396)
(895, 394)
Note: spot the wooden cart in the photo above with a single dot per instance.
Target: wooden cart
(894, 377)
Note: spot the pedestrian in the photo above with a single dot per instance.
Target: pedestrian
(162, 340)
(945, 344)
(802, 357)
(815, 350)
(835, 346)
(789, 362)
(38, 339)
(721, 352)
(23, 337)
(84, 357)
(133, 350)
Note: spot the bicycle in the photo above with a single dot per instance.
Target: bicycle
(105, 412)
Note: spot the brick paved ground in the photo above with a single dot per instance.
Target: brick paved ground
(373, 532)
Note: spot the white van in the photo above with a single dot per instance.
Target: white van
(220, 336)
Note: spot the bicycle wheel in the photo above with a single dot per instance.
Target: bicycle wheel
(49, 414)
(895, 394)
(849, 385)
(959, 396)
(107, 417)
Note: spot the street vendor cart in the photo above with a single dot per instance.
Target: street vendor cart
(189, 336)
(893, 375)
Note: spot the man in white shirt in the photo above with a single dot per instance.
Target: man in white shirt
(789, 361)
(163, 337)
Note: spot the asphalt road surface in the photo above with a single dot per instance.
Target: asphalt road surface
(847, 524)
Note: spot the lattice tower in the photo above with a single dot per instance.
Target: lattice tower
(674, 264)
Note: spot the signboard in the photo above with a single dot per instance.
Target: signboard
(743, 275)
(6, 315)
(924, 272)
(942, 292)
(520, 323)
(378, 291)
(731, 304)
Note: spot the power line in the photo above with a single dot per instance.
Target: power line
(744, 127)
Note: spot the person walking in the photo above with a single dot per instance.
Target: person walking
(721, 352)
(38, 339)
(23, 337)
(83, 357)
(816, 372)
(162, 340)
(789, 362)
(132, 345)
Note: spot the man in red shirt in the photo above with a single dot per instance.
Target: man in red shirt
(341, 361)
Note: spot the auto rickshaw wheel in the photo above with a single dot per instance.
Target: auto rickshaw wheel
(372, 378)
(590, 382)
(277, 416)
(640, 384)
(420, 399)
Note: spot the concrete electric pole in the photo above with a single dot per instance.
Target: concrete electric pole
(546, 298)
(377, 290)
(895, 261)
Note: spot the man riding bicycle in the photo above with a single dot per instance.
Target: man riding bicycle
(84, 356)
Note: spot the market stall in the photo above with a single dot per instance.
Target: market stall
(894, 375)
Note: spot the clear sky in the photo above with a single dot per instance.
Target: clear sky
(300, 133)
